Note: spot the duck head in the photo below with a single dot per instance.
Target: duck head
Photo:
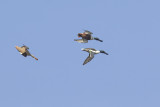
(80, 35)
(102, 51)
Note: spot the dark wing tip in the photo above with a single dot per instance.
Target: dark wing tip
(88, 59)
(85, 63)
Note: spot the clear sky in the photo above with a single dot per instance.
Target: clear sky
(128, 77)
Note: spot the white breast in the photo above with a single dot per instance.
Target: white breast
(96, 52)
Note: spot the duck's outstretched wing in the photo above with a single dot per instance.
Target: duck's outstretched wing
(24, 46)
(87, 32)
(81, 40)
(89, 58)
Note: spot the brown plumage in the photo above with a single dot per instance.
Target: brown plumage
(24, 51)
(86, 35)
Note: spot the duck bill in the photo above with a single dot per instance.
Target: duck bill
(106, 53)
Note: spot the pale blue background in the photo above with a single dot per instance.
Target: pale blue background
(128, 77)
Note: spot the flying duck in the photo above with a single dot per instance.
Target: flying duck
(91, 52)
(86, 35)
(24, 51)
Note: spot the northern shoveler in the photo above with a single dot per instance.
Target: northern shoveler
(91, 52)
(24, 51)
(86, 35)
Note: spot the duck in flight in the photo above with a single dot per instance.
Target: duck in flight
(86, 35)
(24, 51)
(91, 52)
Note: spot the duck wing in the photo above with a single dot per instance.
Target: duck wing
(81, 40)
(24, 46)
(28, 53)
(89, 58)
(24, 54)
(87, 32)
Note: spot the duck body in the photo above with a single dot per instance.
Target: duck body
(87, 35)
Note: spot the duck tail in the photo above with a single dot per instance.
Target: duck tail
(98, 39)
(34, 57)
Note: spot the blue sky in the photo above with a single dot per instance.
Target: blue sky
(128, 77)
